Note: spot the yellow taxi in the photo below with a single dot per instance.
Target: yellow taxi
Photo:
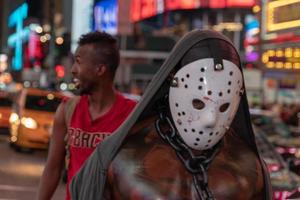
(5, 109)
(32, 118)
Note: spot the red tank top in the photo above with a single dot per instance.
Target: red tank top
(84, 133)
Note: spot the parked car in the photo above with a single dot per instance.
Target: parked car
(284, 181)
(5, 110)
(32, 118)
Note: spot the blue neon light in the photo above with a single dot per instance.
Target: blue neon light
(106, 16)
(251, 22)
(21, 35)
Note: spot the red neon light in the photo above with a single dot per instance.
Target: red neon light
(33, 52)
(181, 4)
(231, 3)
(217, 3)
(252, 41)
(285, 38)
(135, 10)
(141, 9)
(60, 71)
(240, 3)
(148, 8)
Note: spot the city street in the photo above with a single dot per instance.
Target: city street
(219, 80)
(20, 173)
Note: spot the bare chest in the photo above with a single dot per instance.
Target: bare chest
(155, 173)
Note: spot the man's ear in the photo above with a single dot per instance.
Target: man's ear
(101, 69)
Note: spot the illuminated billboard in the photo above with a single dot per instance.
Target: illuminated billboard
(142, 9)
(82, 12)
(16, 40)
(287, 58)
(106, 16)
(182, 4)
(240, 3)
(283, 14)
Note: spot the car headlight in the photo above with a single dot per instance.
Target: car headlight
(29, 122)
(14, 118)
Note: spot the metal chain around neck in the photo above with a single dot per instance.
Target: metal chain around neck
(196, 165)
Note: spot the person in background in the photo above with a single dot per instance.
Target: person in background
(98, 111)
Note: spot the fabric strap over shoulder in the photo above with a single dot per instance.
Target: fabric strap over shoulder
(69, 109)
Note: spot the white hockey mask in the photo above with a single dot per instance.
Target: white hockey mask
(203, 100)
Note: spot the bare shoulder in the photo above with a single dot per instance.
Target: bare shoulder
(60, 113)
(59, 125)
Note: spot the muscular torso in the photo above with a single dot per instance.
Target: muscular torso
(146, 168)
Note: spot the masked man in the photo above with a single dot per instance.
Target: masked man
(189, 138)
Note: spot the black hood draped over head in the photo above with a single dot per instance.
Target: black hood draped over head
(89, 182)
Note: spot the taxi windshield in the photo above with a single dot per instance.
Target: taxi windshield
(42, 103)
(5, 102)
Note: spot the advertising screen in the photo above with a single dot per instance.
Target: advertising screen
(141, 9)
(283, 14)
(81, 20)
(182, 4)
(106, 16)
(217, 4)
(231, 3)
(240, 3)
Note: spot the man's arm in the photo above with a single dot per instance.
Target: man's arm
(56, 156)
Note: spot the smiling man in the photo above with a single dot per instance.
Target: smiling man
(97, 113)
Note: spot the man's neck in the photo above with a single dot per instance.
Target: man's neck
(100, 102)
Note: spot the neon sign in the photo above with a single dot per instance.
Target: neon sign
(283, 14)
(142, 9)
(182, 4)
(288, 58)
(20, 36)
(106, 15)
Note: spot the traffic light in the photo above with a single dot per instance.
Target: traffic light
(60, 71)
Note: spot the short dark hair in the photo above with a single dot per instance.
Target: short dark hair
(104, 45)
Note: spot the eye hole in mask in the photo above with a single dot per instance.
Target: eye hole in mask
(224, 107)
(198, 104)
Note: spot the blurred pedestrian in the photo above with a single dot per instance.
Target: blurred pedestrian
(87, 120)
(190, 136)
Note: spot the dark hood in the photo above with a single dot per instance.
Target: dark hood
(215, 46)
